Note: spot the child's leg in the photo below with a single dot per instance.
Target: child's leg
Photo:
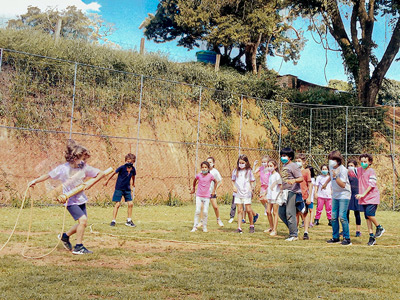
(306, 217)
(320, 207)
(197, 212)
(250, 213)
(115, 211)
(206, 204)
(130, 208)
(269, 215)
(328, 208)
(358, 220)
(275, 212)
(80, 229)
(233, 208)
(215, 206)
(312, 214)
(239, 214)
(369, 224)
(373, 220)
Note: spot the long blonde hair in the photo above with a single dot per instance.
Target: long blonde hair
(75, 151)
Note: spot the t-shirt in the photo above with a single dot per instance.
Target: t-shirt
(304, 185)
(337, 191)
(323, 193)
(313, 189)
(71, 178)
(123, 180)
(264, 177)
(273, 193)
(366, 178)
(242, 182)
(291, 171)
(203, 187)
(217, 177)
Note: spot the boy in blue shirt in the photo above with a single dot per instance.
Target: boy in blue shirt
(126, 173)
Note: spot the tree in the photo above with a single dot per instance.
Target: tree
(248, 26)
(340, 85)
(74, 23)
(389, 93)
(356, 42)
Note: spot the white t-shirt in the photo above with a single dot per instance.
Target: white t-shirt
(323, 193)
(242, 182)
(337, 191)
(71, 178)
(273, 194)
(313, 189)
(217, 176)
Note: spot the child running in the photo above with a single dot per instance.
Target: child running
(369, 196)
(273, 191)
(264, 178)
(243, 182)
(73, 174)
(126, 173)
(323, 195)
(203, 195)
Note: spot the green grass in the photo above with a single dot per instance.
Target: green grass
(161, 259)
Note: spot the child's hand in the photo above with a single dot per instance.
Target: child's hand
(359, 196)
(334, 173)
(235, 189)
(32, 183)
(192, 191)
(255, 162)
(62, 199)
(291, 181)
(308, 201)
(324, 186)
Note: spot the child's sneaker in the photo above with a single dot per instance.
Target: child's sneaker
(291, 238)
(230, 220)
(205, 229)
(200, 224)
(371, 241)
(273, 233)
(311, 225)
(244, 221)
(305, 236)
(194, 229)
(112, 223)
(65, 240)
(255, 218)
(346, 242)
(316, 222)
(239, 230)
(358, 233)
(329, 222)
(251, 230)
(130, 224)
(219, 222)
(379, 231)
(81, 250)
(333, 241)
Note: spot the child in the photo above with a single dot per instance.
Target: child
(243, 182)
(72, 174)
(126, 173)
(369, 197)
(323, 195)
(306, 188)
(264, 178)
(353, 205)
(274, 187)
(203, 194)
(341, 194)
(213, 198)
(291, 178)
(313, 191)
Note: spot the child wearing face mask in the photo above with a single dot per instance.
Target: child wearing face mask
(126, 174)
(353, 204)
(264, 178)
(203, 195)
(243, 183)
(273, 191)
(323, 195)
(72, 174)
(369, 197)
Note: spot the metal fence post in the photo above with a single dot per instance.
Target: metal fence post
(347, 118)
(198, 134)
(310, 146)
(139, 117)
(241, 120)
(280, 131)
(73, 101)
(1, 58)
(394, 156)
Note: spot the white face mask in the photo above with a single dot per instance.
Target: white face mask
(242, 166)
(264, 164)
(211, 164)
(299, 163)
(351, 169)
(270, 169)
(332, 163)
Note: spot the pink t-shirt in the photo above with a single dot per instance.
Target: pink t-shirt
(367, 178)
(264, 177)
(203, 186)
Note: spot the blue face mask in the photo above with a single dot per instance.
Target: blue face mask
(364, 165)
(129, 165)
(204, 172)
(284, 159)
(324, 172)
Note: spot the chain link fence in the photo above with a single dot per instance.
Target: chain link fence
(171, 127)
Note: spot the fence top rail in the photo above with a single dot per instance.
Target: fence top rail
(313, 106)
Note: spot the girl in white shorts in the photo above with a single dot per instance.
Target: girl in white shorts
(274, 187)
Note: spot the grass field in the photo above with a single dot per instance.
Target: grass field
(162, 259)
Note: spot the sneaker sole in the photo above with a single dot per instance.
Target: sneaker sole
(383, 231)
(130, 225)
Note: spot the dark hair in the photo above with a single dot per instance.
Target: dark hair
(246, 160)
(75, 151)
(205, 163)
(353, 161)
(130, 156)
(301, 156)
(312, 171)
(335, 155)
(324, 166)
(212, 158)
(366, 155)
(275, 164)
(288, 152)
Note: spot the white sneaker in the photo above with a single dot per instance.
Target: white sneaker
(200, 224)
(194, 229)
(273, 233)
(219, 222)
(230, 220)
(292, 238)
(205, 229)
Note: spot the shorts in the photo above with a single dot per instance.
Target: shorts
(77, 211)
(369, 210)
(309, 206)
(213, 196)
(272, 201)
(118, 196)
(242, 200)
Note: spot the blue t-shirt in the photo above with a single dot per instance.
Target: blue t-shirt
(123, 178)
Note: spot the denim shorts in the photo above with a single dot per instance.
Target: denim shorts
(118, 196)
(369, 210)
(77, 211)
(309, 206)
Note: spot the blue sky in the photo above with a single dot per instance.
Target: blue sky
(127, 15)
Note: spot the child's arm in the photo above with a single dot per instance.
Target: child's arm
(194, 186)
(326, 183)
(92, 182)
(37, 180)
(234, 186)
(215, 187)
(310, 186)
(359, 196)
(255, 171)
(109, 178)
(133, 181)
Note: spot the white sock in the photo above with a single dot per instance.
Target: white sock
(129, 219)
(114, 221)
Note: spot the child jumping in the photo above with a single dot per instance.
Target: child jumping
(273, 191)
(243, 182)
(72, 174)
(369, 196)
(126, 173)
(203, 195)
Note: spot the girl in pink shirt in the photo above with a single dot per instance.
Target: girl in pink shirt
(203, 195)
(368, 196)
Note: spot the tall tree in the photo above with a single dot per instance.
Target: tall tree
(356, 40)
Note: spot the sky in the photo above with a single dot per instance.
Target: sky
(127, 15)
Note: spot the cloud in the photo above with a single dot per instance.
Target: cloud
(18, 7)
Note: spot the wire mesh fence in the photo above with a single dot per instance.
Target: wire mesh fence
(171, 127)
